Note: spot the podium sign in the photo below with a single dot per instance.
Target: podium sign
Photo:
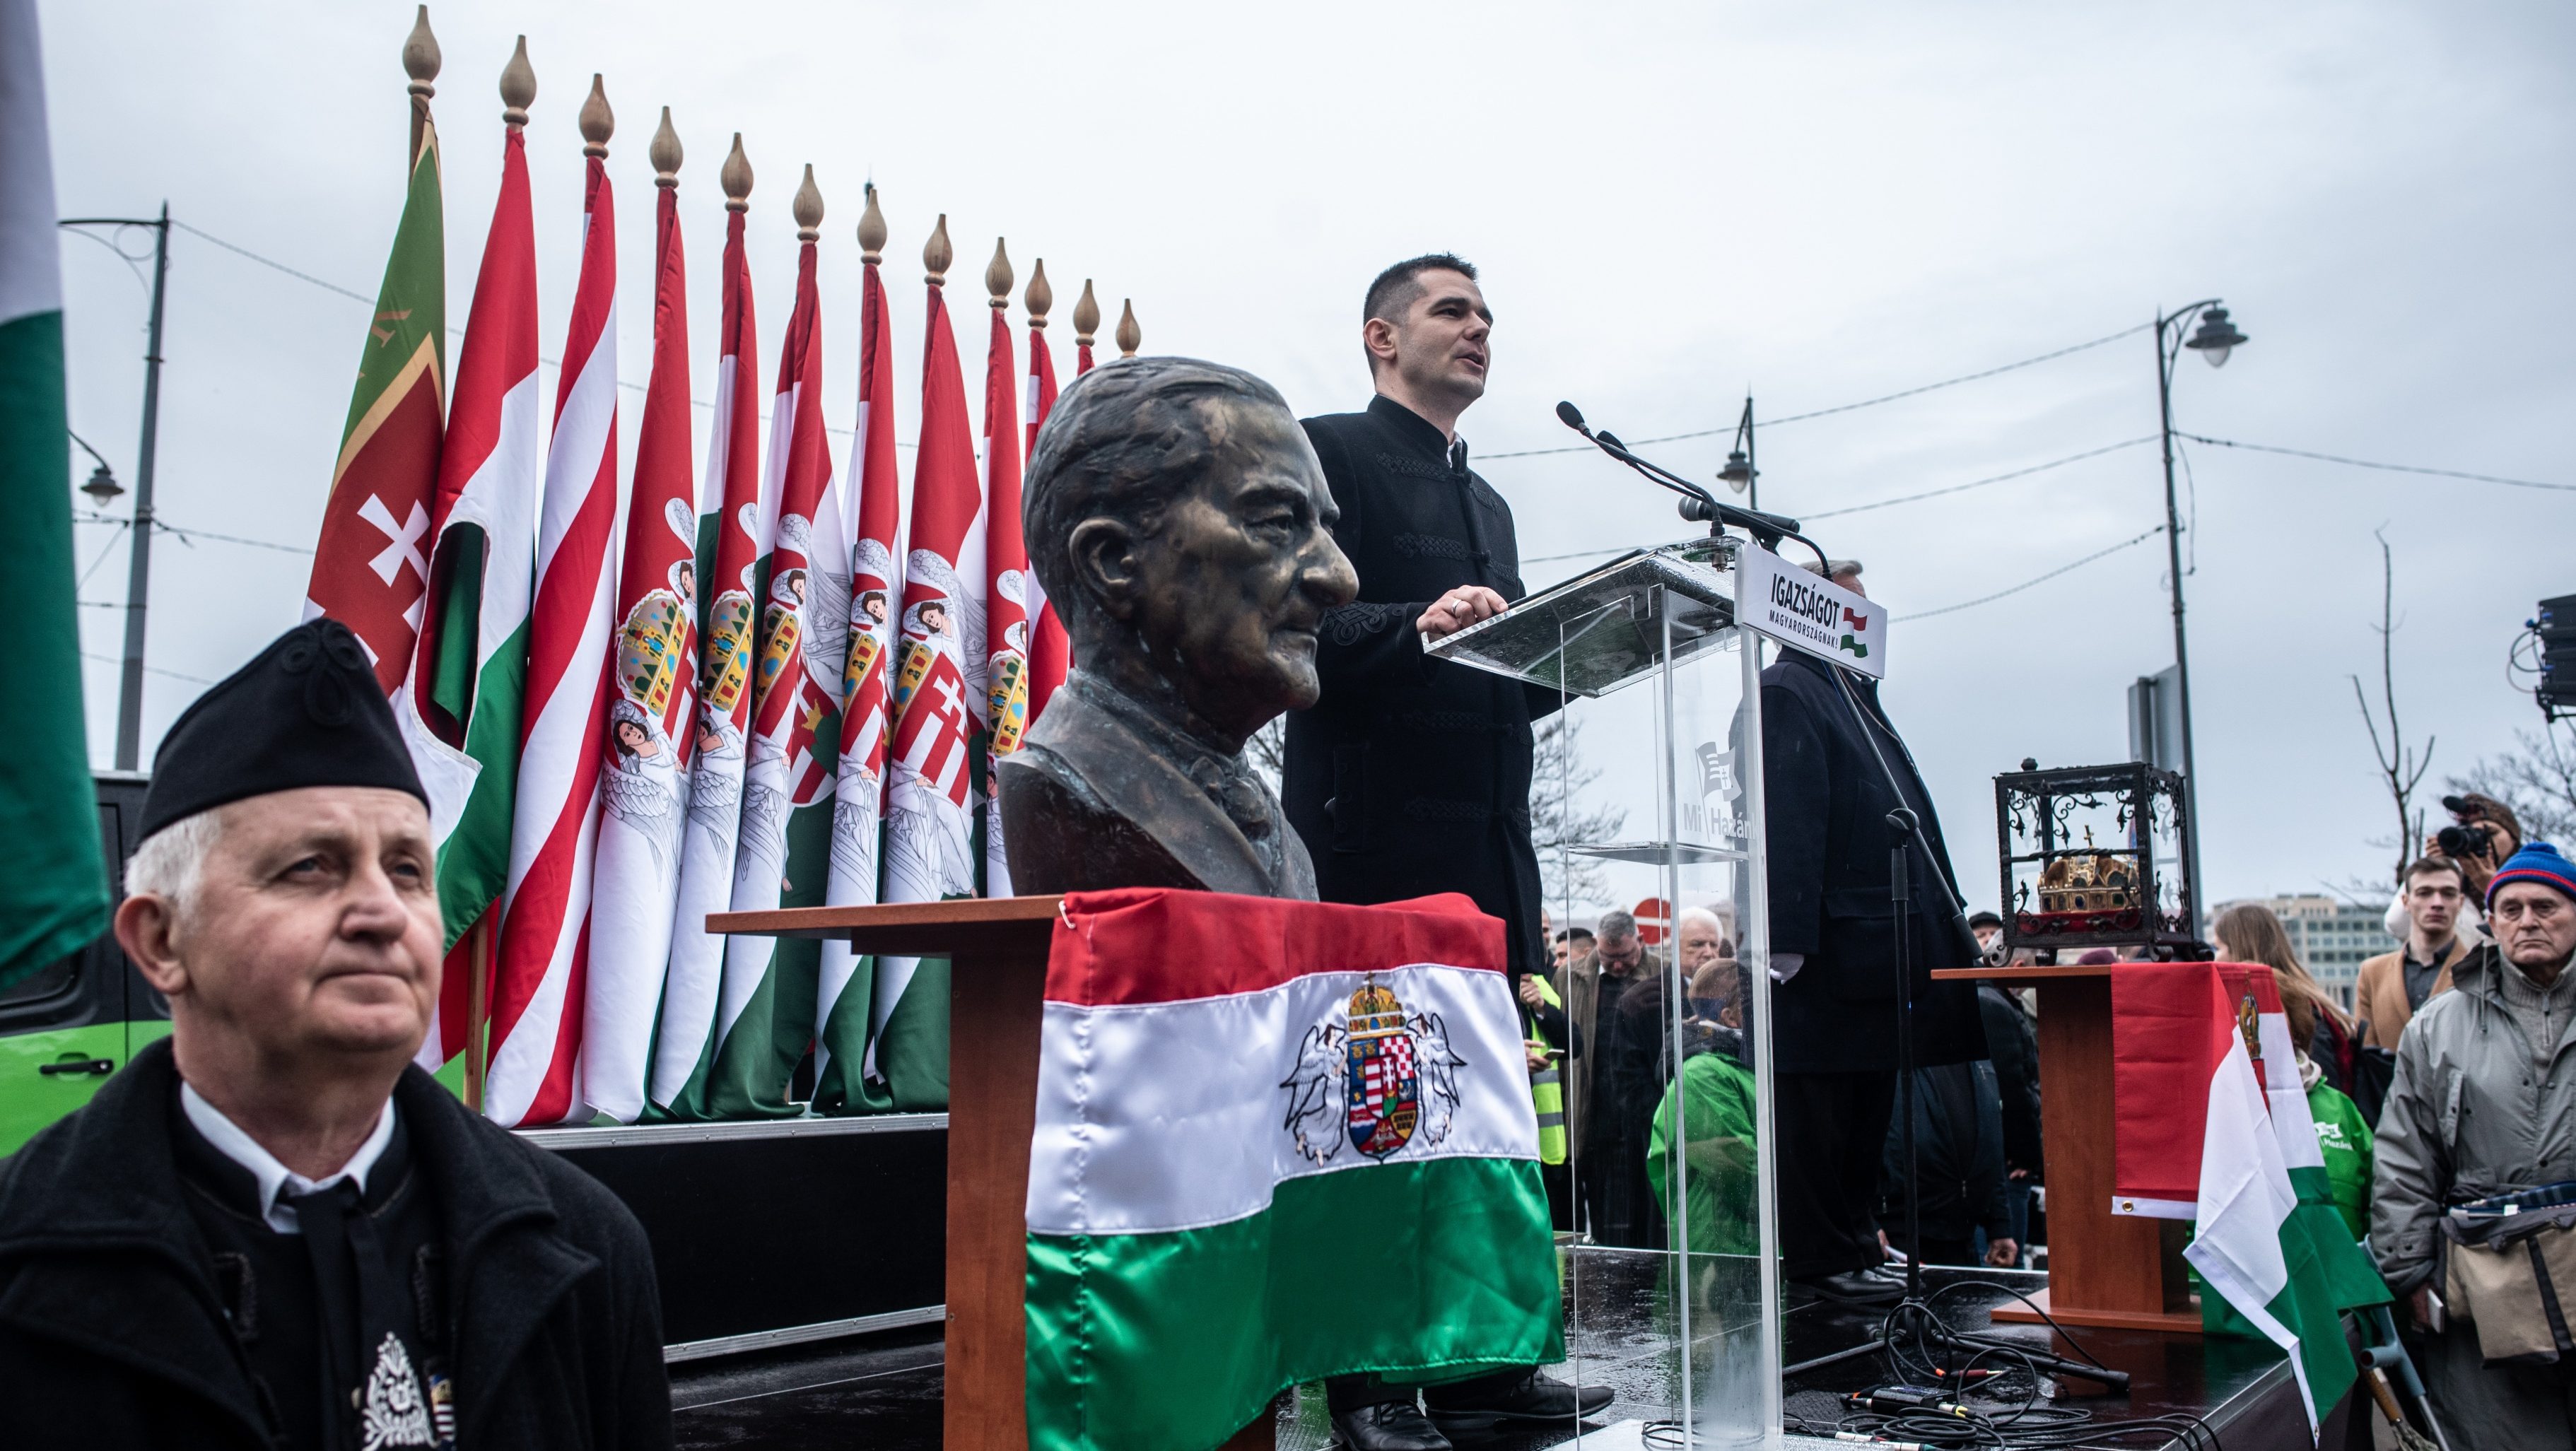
(1806, 611)
(1668, 1111)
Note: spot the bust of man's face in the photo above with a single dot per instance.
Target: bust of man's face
(1233, 583)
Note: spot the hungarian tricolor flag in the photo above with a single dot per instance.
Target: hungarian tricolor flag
(653, 673)
(53, 887)
(931, 852)
(371, 563)
(735, 542)
(765, 1016)
(1006, 572)
(2212, 1124)
(539, 979)
(847, 981)
(469, 683)
(1050, 652)
(1275, 1141)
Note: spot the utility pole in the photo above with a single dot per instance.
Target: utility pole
(138, 576)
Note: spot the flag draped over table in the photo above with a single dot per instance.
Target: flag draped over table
(766, 1013)
(1050, 652)
(53, 886)
(846, 981)
(654, 659)
(1275, 1141)
(371, 563)
(738, 544)
(2231, 1144)
(470, 680)
(938, 708)
(538, 982)
(1006, 571)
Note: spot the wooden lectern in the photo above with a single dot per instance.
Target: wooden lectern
(2104, 1268)
(997, 950)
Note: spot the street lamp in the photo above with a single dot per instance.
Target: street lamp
(2214, 339)
(1739, 473)
(102, 485)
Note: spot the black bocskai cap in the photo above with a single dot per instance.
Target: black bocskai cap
(306, 712)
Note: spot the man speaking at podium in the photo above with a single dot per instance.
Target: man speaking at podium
(1412, 776)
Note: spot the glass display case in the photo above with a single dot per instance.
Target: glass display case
(1649, 801)
(2093, 857)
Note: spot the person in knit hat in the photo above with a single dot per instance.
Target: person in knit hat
(2484, 1104)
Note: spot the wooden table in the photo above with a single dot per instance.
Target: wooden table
(2104, 1268)
(997, 951)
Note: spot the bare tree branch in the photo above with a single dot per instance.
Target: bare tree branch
(2399, 765)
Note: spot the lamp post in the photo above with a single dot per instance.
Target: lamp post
(2214, 339)
(138, 574)
(1739, 473)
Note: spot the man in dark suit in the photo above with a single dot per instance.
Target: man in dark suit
(1412, 776)
(1178, 519)
(1826, 798)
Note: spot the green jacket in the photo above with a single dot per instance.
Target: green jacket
(1716, 1097)
(2343, 1140)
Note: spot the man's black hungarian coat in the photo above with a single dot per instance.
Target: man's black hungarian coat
(1412, 776)
(1825, 802)
(114, 1332)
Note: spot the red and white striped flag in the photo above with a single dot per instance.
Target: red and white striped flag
(643, 788)
(538, 983)
(469, 685)
(682, 1047)
(938, 709)
(1050, 652)
(1006, 571)
(764, 1016)
(846, 982)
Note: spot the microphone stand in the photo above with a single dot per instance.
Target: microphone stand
(1698, 504)
(1913, 1315)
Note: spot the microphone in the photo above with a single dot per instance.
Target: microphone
(1698, 504)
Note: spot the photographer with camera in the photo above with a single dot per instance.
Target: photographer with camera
(2484, 833)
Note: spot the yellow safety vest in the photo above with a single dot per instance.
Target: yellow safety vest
(1547, 1091)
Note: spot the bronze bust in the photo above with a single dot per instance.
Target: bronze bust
(1179, 522)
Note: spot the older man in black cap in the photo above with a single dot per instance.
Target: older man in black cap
(272, 1230)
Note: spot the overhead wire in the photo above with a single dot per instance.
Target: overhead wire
(2048, 357)
(2363, 463)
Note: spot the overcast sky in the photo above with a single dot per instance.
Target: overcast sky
(1671, 204)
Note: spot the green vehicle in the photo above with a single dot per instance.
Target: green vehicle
(64, 1029)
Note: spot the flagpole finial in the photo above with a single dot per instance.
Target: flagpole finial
(936, 254)
(518, 87)
(1130, 336)
(872, 230)
(736, 176)
(597, 121)
(997, 277)
(1086, 316)
(809, 207)
(1040, 297)
(420, 56)
(665, 153)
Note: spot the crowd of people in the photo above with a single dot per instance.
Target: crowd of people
(2444, 1098)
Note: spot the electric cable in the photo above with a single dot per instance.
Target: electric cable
(2363, 463)
(2047, 357)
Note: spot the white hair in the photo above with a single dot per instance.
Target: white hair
(171, 861)
(1702, 917)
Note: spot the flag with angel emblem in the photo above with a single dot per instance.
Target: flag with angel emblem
(765, 1010)
(939, 704)
(846, 980)
(1310, 1123)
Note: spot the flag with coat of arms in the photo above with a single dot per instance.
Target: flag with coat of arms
(2211, 1124)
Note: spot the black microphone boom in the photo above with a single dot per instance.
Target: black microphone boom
(1698, 504)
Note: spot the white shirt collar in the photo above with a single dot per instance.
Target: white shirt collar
(275, 1179)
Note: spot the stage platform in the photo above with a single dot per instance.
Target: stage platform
(883, 1392)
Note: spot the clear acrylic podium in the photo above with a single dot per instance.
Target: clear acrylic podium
(1675, 1298)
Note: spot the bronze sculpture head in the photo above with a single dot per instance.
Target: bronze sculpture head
(1180, 524)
